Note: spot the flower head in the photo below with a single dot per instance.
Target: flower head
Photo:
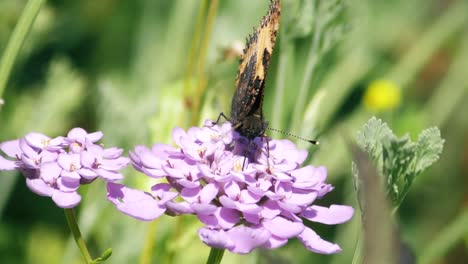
(382, 95)
(248, 194)
(56, 167)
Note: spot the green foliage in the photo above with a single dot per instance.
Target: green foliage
(105, 255)
(399, 160)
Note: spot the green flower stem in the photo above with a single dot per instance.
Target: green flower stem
(454, 233)
(357, 257)
(283, 63)
(16, 40)
(147, 253)
(216, 255)
(202, 60)
(193, 48)
(73, 225)
(334, 90)
(312, 60)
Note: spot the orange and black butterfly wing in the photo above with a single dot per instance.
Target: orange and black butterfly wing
(247, 101)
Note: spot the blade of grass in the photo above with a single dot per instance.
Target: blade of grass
(16, 40)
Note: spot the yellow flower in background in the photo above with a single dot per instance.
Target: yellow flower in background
(382, 95)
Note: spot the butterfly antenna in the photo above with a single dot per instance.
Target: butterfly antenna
(314, 142)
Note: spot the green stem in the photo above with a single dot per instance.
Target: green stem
(283, 62)
(73, 225)
(17, 39)
(312, 60)
(202, 60)
(357, 257)
(216, 255)
(147, 253)
(193, 48)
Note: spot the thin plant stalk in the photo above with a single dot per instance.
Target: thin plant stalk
(202, 60)
(73, 225)
(147, 253)
(21, 30)
(312, 60)
(283, 61)
(216, 255)
(193, 48)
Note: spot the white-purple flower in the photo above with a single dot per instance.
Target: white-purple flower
(247, 194)
(56, 167)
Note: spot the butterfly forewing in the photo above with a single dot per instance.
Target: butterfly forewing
(247, 102)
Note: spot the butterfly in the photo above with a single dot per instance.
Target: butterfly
(247, 103)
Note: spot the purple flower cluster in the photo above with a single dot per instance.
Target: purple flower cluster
(56, 167)
(245, 202)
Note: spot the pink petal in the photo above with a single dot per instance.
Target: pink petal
(77, 133)
(66, 199)
(148, 159)
(65, 161)
(208, 193)
(70, 175)
(95, 136)
(37, 140)
(115, 164)
(179, 208)
(335, 214)
(7, 164)
(66, 185)
(87, 173)
(109, 175)
(275, 242)
(112, 153)
(50, 171)
(38, 186)
(249, 197)
(270, 209)
(301, 197)
(282, 227)
(246, 239)
(315, 243)
(11, 148)
(132, 202)
(215, 238)
(203, 208)
(232, 190)
(190, 194)
(177, 134)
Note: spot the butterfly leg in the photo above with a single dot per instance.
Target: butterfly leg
(219, 117)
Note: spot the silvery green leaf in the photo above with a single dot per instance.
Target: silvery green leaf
(398, 160)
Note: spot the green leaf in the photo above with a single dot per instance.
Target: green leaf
(398, 157)
(398, 160)
(430, 145)
(371, 138)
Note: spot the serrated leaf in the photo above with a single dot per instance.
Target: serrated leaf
(398, 157)
(430, 145)
(371, 139)
(399, 160)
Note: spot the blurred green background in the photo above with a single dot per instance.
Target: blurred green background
(136, 69)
